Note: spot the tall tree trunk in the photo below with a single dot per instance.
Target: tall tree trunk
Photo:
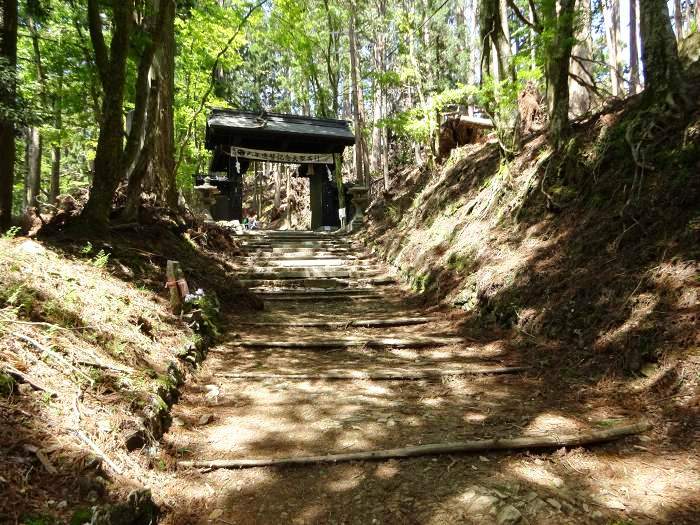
(155, 160)
(34, 154)
(416, 146)
(499, 64)
(35, 143)
(558, 57)
(385, 156)
(109, 154)
(471, 32)
(635, 83)
(579, 92)
(376, 153)
(504, 22)
(92, 69)
(143, 163)
(662, 68)
(27, 148)
(678, 19)
(611, 16)
(493, 26)
(378, 94)
(55, 187)
(532, 35)
(355, 99)
(422, 98)
(333, 58)
(8, 62)
(163, 165)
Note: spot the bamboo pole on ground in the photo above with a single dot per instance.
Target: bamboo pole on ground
(365, 323)
(520, 443)
(375, 376)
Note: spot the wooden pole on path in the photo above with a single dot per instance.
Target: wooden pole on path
(519, 443)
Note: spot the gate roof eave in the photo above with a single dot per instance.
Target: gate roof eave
(277, 132)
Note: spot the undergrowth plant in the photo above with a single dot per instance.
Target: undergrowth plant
(11, 233)
(101, 259)
(204, 310)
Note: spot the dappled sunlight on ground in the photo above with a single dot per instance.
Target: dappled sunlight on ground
(554, 423)
(245, 403)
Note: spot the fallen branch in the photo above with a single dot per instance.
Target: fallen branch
(375, 376)
(525, 442)
(385, 342)
(104, 367)
(41, 323)
(58, 357)
(31, 382)
(97, 450)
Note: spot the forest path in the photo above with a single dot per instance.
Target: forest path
(332, 310)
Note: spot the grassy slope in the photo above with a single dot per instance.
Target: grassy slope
(586, 266)
(109, 322)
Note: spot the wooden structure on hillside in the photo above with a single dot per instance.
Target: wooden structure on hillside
(238, 137)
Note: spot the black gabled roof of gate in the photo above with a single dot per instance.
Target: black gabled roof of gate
(282, 132)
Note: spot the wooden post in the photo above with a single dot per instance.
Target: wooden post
(176, 284)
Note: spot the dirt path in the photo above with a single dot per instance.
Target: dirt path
(317, 279)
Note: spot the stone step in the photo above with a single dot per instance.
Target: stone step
(349, 342)
(303, 292)
(290, 248)
(279, 252)
(292, 238)
(317, 282)
(307, 262)
(295, 238)
(298, 244)
(312, 256)
(362, 323)
(297, 273)
(322, 297)
(291, 233)
(303, 282)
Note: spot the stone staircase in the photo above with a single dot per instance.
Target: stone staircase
(330, 406)
(341, 359)
(307, 265)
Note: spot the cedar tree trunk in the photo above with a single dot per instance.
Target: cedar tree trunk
(355, 100)
(34, 154)
(558, 57)
(110, 147)
(581, 67)
(8, 64)
(662, 68)
(635, 83)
